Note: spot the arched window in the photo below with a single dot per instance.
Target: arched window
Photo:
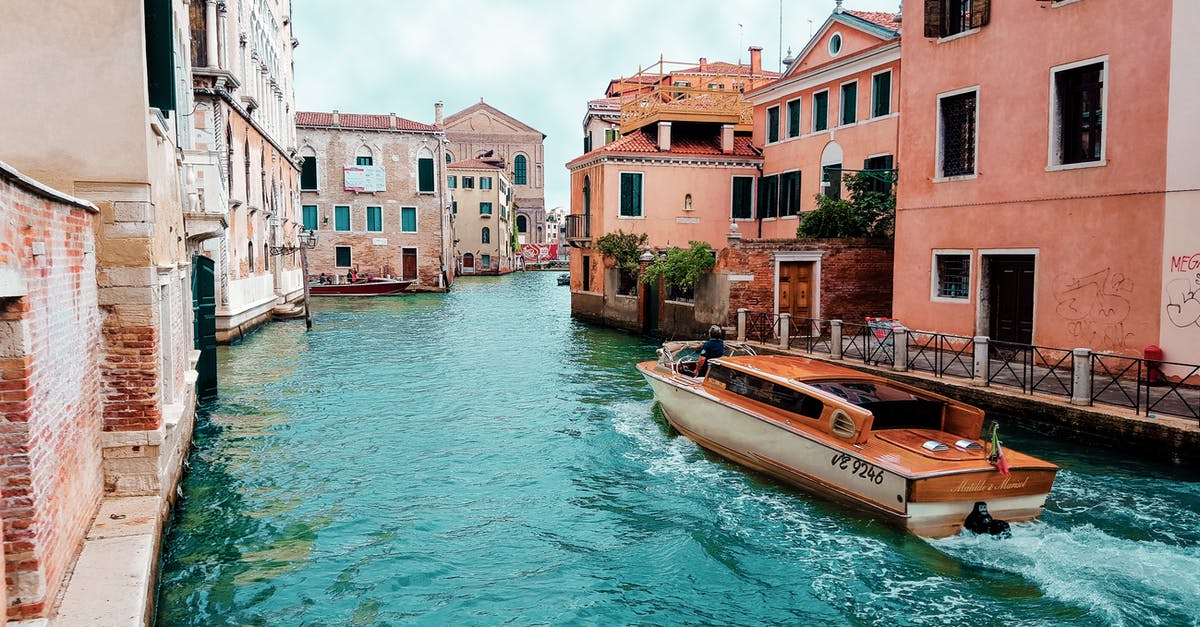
(485, 235)
(519, 167)
(250, 257)
(229, 160)
(449, 158)
(246, 154)
(587, 199)
(266, 258)
(522, 224)
(364, 156)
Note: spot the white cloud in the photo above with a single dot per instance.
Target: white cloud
(537, 60)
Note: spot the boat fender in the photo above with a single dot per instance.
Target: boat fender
(980, 521)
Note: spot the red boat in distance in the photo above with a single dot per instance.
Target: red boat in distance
(367, 287)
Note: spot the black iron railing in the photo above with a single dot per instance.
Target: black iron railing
(811, 335)
(941, 354)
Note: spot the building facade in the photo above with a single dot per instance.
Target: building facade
(1047, 188)
(484, 220)
(243, 157)
(482, 131)
(117, 403)
(373, 189)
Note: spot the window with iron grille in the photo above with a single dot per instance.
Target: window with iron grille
(820, 111)
(944, 18)
(953, 276)
(772, 124)
(789, 193)
(957, 123)
(1079, 95)
(793, 118)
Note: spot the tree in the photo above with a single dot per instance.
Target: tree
(870, 211)
(625, 249)
(681, 268)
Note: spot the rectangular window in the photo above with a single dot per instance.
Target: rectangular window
(789, 193)
(485, 182)
(957, 124)
(486, 261)
(631, 194)
(1079, 114)
(882, 174)
(793, 118)
(881, 94)
(408, 219)
(587, 143)
(468, 182)
(743, 197)
(341, 256)
(611, 135)
(772, 124)
(768, 197)
(820, 111)
(341, 218)
(452, 181)
(952, 275)
(849, 103)
(944, 18)
(425, 179)
(308, 174)
(363, 161)
(310, 217)
(374, 218)
(485, 208)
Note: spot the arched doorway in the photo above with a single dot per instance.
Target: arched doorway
(468, 263)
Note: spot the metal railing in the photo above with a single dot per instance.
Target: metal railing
(1080, 375)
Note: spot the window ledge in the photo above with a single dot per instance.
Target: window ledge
(1076, 166)
(631, 217)
(947, 299)
(795, 217)
(949, 38)
(950, 179)
(1061, 3)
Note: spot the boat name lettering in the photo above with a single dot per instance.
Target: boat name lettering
(983, 485)
(866, 470)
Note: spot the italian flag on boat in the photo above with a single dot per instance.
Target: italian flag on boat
(997, 454)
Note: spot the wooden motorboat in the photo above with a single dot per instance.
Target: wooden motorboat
(368, 287)
(911, 457)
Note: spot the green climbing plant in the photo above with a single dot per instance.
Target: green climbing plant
(681, 268)
(624, 249)
(870, 210)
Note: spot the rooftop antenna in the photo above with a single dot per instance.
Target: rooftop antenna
(741, 34)
(810, 29)
(780, 49)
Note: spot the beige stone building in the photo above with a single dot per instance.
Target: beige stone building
(243, 158)
(482, 131)
(94, 106)
(483, 217)
(373, 188)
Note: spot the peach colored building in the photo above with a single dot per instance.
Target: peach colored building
(1048, 180)
(833, 111)
(483, 216)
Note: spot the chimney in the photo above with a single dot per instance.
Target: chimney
(726, 138)
(336, 122)
(755, 60)
(392, 121)
(664, 136)
(703, 64)
(437, 113)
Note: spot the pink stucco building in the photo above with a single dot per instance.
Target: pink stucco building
(1048, 188)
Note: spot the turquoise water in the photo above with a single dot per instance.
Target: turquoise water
(478, 458)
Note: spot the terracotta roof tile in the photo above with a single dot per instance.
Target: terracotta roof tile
(882, 18)
(724, 69)
(359, 121)
(641, 142)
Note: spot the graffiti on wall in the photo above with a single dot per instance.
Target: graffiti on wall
(1183, 293)
(1094, 307)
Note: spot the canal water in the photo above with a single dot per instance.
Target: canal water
(478, 458)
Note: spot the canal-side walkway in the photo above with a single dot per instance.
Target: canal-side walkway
(1152, 436)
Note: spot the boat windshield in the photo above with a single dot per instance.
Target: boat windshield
(893, 407)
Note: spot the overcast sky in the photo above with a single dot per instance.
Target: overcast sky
(539, 61)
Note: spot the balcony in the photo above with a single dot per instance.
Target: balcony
(579, 231)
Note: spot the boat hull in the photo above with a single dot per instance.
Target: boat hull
(933, 505)
(377, 287)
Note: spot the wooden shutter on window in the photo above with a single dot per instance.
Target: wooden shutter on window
(981, 13)
(933, 18)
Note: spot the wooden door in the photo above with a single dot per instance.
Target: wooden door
(796, 288)
(1010, 299)
(408, 264)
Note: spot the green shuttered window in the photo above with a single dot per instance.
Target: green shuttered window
(743, 196)
(631, 194)
(425, 175)
(341, 218)
(310, 217)
(374, 218)
(408, 219)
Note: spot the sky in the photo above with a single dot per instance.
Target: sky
(539, 61)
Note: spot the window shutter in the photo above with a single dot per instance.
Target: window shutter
(425, 175)
(933, 18)
(160, 55)
(981, 13)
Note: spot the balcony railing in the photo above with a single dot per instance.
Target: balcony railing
(579, 229)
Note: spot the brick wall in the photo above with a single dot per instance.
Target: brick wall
(50, 414)
(855, 277)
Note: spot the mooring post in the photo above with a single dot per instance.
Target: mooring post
(900, 349)
(741, 332)
(785, 330)
(983, 365)
(1081, 376)
(835, 339)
